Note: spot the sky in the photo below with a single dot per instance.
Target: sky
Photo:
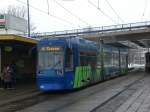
(77, 14)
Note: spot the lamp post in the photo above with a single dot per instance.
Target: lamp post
(28, 9)
(98, 4)
(48, 6)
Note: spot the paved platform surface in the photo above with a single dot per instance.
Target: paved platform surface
(136, 98)
(19, 92)
(129, 93)
(139, 101)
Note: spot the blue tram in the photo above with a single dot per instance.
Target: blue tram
(71, 63)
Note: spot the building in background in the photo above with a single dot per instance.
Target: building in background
(12, 25)
(137, 57)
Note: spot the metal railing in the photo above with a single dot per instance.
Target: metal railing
(91, 30)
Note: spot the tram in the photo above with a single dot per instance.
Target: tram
(72, 63)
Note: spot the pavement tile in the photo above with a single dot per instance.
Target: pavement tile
(86, 102)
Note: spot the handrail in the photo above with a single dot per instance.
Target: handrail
(103, 29)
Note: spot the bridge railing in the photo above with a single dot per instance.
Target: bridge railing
(103, 29)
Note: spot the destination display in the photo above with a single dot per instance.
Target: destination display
(51, 49)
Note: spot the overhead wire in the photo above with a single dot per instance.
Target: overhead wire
(71, 13)
(100, 10)
(144, 10)
(114, 11)
(56, 17)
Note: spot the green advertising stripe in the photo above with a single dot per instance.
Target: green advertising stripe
(79, 77)
(81, 73)
(77, 81)
(84, 73)
(76, 78)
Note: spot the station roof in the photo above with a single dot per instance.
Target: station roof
(12, 37)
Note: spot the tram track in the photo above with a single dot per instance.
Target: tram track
(92, 93)
(73, 97)
(29, 101)
(112, 104)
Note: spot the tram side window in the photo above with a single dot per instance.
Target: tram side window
(43, 60)
(83, 59)
(108, 59)
(125, 60)
(99, 60)
(87, 59)
(115, 60)
(69, 59)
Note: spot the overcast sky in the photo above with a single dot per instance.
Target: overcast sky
(84, 13)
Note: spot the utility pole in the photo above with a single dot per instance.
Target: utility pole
(48, 6)
(98, 4)
(28, 8)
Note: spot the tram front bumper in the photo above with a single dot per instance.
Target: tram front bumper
(55, 86)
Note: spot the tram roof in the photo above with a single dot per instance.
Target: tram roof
(12, 37)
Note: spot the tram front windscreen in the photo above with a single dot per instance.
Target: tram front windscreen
(50, 57)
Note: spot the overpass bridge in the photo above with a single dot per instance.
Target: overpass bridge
(138, 33)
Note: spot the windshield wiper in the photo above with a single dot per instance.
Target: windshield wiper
(59, 62)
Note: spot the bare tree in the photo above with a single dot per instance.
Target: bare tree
(18, 11)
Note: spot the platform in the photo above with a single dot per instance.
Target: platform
(129, 93)
(20, 92)
(139, 101)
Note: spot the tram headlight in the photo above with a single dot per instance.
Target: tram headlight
(42, 87)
